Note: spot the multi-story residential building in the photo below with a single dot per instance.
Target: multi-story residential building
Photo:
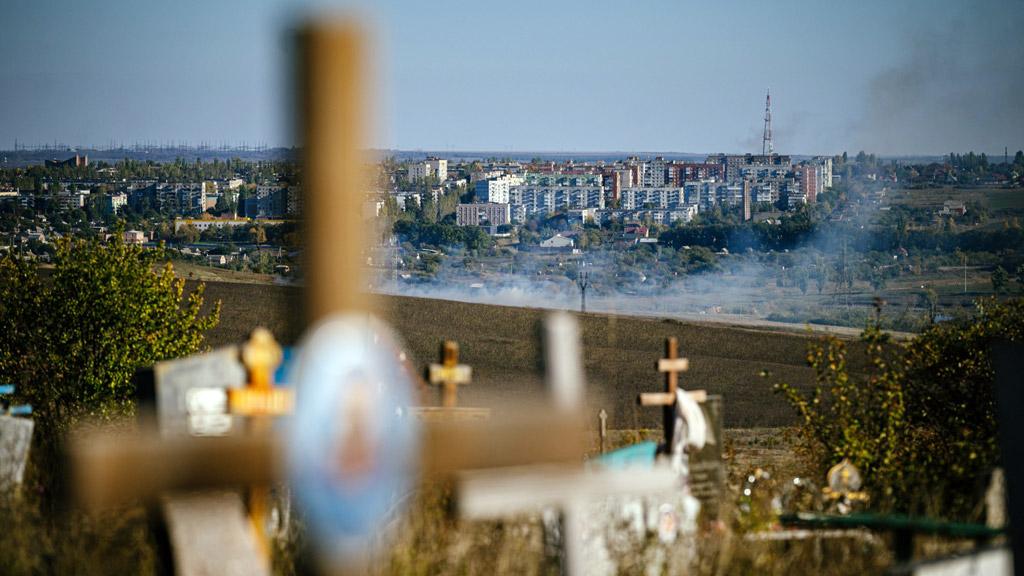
(113, 203)
(681, 172)
(270, 201)
(662, 197)
(729, 194)
(738, 167)
(293, 203)
(654, 173)
(72, 199)
(544, 199)
(808, 183)
(663, 217)
(437, 167)
(490, 214)
(701, 193)
(495, 189)
(826, 171)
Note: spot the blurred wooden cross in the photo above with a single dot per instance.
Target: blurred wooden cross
(449, 374)
(112, 469)
(494, 494)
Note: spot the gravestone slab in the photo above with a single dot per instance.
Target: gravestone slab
(210, 536)
(15, 440)
(191, 393)
(707, 469)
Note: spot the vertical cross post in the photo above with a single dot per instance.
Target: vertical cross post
(603, 417)
(332, 119)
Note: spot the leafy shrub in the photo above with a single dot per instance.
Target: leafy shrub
(71, 342)
(921, 423)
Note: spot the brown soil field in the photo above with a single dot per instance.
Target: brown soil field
(502, 344)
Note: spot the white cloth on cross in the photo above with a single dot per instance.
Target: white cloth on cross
(691, 430)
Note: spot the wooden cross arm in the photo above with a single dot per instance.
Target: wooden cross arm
(673, 365)
(268, 401)
(516, 440)
(458, 374)
(489, 494)
(110, 469)
(667, 399)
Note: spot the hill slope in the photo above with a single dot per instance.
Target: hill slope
(502, 344)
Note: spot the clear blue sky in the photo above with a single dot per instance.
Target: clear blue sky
(928, 76)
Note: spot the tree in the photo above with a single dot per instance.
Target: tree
(1000, 278)
(187, 233)
(258, 234)
(72, 343)
(1020, 275)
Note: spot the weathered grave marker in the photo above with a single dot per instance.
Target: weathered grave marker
(15, 441)
(208, 396)
(191, 393)
(449, 374)
(692, 431)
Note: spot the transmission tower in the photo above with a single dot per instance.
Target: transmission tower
(766, 141)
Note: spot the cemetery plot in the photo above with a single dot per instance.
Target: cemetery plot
(356, 446)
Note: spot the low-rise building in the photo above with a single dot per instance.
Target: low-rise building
(203, 224)
(137, 237)
(558, 242)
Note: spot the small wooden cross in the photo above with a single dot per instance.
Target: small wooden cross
(449, 373)
(671, 365)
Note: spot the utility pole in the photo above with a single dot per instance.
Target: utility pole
(965, 272)
(583, 281)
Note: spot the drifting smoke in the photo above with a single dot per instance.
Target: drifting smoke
(957, 88)
(739, 288)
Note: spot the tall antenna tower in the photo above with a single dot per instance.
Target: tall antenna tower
(766, 141)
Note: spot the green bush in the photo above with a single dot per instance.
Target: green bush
(72, 339)
(71, 342)
(921, 423)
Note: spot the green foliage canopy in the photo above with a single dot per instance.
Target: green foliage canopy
(72, 342)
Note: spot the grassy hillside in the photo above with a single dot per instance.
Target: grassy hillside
(502, 344)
